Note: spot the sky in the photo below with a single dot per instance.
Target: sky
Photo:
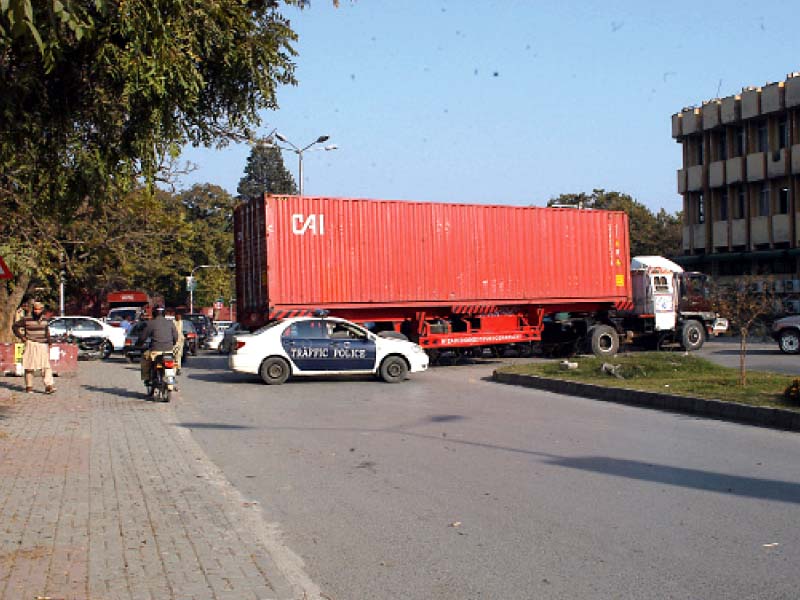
(508, 101)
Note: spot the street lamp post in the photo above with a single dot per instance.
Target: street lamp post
(299, 151)
(191, 275)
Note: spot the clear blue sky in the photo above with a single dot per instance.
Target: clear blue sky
(509, 102)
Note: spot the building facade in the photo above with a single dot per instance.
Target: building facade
(740, 183)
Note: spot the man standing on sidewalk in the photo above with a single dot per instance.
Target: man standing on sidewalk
(34, 332)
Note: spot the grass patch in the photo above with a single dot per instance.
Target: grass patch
(671, 373)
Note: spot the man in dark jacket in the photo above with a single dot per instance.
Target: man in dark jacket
(162, 335)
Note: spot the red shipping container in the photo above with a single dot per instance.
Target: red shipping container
(305, 253)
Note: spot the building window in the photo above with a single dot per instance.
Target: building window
(763, 201)
(741, 198)
(783, 133)
(783, 201)
(740, 141)
(762, 139)
(723, 206)
(697, 151)
(722, 145)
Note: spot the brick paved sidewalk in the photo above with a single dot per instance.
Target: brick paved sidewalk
(102, 497)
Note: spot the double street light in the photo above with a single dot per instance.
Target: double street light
(299, 151)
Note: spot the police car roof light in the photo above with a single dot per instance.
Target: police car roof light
(321, 312)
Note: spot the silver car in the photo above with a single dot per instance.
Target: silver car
(786, 332)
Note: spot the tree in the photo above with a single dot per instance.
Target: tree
(265, 173)
(99, 96)
(650, 234)
(209, 212)
(745, 304)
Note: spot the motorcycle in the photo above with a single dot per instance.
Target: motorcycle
(162, 377)
(89, 348)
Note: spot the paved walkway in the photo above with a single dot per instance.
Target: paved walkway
(103, 497)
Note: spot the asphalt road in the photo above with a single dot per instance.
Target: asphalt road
(449, 486)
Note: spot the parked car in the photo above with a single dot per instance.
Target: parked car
(134, 353)
(215, 339)
(87, 327)
(228, 338)
(202, 325)
(786, 332)
(305, 346)
(190, 339)
(222, 325)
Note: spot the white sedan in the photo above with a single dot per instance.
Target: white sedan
(323, 346)
(83, 327)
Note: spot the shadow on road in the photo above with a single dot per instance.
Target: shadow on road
(117, 391)
(225, 426)
(736, 485)
(708, 481)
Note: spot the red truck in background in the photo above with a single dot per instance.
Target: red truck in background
(451, 277)
(127, 303)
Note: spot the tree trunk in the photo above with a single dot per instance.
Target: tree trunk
(9, 302)
(742, 357)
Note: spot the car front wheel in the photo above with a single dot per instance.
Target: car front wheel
(393, 369)
(275, 371)
(789, 342)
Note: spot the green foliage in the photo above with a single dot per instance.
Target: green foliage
(265, 173)
(97, 98)
(209, 212)
(650, 234)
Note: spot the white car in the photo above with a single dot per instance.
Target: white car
(83, 327)
(323, 346)
(215, 338)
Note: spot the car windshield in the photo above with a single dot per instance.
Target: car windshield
(269, 325)
(120, 314)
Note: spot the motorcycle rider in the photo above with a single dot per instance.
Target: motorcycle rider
(162, 335)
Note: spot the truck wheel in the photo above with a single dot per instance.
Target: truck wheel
(275, 371)
(393, 369)
(693, 336)
(789, 342)
(604, 341)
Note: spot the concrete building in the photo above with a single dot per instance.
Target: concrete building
(740, 183)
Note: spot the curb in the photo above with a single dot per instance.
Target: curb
(775, 418)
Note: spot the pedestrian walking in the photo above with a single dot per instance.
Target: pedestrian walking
(36, 357)
(178, 349)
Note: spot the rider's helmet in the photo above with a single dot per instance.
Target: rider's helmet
(158, 310)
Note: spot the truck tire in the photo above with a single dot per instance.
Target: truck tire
(789, 341)
(693, 336)
(393, 369)
(603, 341)
(275, 371)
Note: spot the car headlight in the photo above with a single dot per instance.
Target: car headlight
(417, 348)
